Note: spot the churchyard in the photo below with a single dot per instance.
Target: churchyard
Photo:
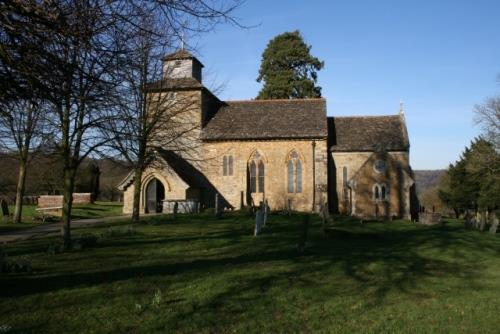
(208, 274)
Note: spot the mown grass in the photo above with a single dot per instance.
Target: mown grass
(199, 274)
(30, 216)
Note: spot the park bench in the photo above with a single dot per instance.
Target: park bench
(48, 212)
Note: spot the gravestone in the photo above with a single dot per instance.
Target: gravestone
(289, 207)
(266, 210)
(324, 213)
(468, 219)
(494, 225)
(5, 208)
(176, 209)
(429, 218)
(301, 244)
(259, 217)
(483, 221)
(218, 206)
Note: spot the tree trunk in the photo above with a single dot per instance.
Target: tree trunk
(457, 213)
(69, 182)
(137, 195)
(20, 192)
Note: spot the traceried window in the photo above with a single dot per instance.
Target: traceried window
(257, 173)
(380, 192)
(294, 172)
(227, 165)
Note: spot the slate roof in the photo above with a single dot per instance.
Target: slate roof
(368, 133)
(268, 119)
(174, 83)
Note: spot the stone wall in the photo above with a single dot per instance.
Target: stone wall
(362, 177)
(353, 162)
(233, 188)
(48, 201)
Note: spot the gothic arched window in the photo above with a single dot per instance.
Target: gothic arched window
(376, 192)
(294, 172)
(257, 173)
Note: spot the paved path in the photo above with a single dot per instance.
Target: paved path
(27, 233)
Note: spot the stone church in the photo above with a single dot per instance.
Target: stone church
(288, 153)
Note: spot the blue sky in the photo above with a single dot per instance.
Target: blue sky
(440, 57)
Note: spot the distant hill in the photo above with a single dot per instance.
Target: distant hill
(427, 179)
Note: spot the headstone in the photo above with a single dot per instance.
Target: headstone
(301, 244)
(218, 206)
(259, 216)
(483, 221)
(325, 214)
(5, 208)
(176, 209)
(429, 218)
(266, 210)
(468, 220)
(494, 224)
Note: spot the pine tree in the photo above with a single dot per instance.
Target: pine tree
(288, 70)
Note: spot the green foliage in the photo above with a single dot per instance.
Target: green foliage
(288, 70)
(473, 182)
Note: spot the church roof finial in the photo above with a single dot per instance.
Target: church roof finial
(401, 107)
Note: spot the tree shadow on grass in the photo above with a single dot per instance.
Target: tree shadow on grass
(380, 260)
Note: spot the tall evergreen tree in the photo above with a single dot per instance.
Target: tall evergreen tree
(288, 70)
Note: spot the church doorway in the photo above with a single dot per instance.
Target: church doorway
(155, 195)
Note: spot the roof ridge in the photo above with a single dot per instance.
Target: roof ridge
(275, 100)
(366, 116)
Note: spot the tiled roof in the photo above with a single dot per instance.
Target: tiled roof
(268, 119)
(368, 133)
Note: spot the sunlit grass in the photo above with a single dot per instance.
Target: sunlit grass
(205, 275)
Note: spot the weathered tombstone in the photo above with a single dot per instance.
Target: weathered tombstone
(218, 207)
(325, 215)
(494, 225)
(483, 221)
(468, 219)
(266, 210)
(259, 216)
(5, 208)
(301, 244)
(176, 209)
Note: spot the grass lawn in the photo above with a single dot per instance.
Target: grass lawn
(202, 275)
(80, 211)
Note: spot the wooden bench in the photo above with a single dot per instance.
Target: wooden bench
(48, 212)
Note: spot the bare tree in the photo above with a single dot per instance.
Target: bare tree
(66, 52)
(152, 115)
(487, 116)
(20, 125)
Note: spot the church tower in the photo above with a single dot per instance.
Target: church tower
(182, 64)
